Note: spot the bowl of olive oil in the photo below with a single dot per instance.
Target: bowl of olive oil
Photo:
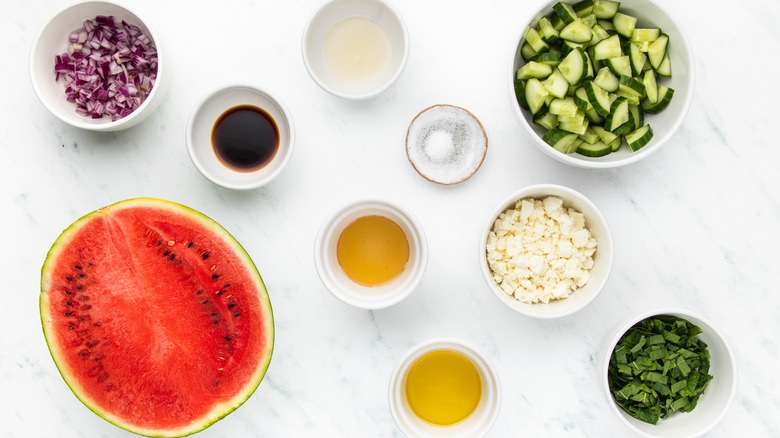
(371, 253)
(444, 388)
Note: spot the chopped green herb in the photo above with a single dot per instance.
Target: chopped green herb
(658, 367)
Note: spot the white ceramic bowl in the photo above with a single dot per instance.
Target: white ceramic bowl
(664, 124)
(336, 280)
(201, 124)
(477, 425)
(52, 40)
(713, 403)
(602, 259)
(333, 12)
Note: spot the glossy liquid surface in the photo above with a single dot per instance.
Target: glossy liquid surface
(373, 250)
(443, 387)
(245, 138)
(356, 50)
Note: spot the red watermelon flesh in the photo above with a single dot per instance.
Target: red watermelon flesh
(156, 317)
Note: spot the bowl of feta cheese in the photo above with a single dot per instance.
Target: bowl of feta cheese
(546, 251)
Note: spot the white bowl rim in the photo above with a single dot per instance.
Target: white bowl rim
(368, 94)
(620, 329)
(334, 289)
(116, 124)
(253, 88)
(574, 160)
(523, 193)
(445, 343)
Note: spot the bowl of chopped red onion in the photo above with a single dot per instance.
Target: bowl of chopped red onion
(96, 65)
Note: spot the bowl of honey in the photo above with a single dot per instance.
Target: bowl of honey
(444, 388)
(355, 49)
(240, 137)
(371, 253)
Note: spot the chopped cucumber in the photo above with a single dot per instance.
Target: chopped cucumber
(597, 149)
(556, 84)
(535, 95)
(605, 9)
(590, 75)
(565, 11)
(534, 70)
(607, 48)
(637, 139)
(577, 32)
(624, 24)
(575, 66)
(664, 98)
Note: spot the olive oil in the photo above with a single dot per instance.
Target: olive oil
(443, 387)
(356, 50)
(373, 250)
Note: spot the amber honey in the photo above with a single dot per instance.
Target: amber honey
(373, 250)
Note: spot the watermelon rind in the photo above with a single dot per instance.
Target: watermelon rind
(220, 410)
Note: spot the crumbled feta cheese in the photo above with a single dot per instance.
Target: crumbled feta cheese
(540, 250)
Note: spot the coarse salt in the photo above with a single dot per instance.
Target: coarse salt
(446, 144)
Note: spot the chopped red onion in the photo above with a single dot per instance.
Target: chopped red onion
(108, 70)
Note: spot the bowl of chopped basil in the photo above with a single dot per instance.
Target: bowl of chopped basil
(668, 373)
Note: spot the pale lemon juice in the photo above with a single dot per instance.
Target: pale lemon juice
(356, 50)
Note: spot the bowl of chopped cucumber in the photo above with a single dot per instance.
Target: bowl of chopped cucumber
(668, 373)
(601, 83)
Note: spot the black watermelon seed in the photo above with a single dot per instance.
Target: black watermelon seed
(159, 243)
(69, 278)
(214, 314)
(78, 267)
(83, 319)
(69, 303)
(205, 301)
(199, 292)
(219, 292)
(236, 315)
(217, 383)
(68, 292)
(166, 252)
(216, 322)
(172, 256)
(190, 245)
(78, 287)
(81, 275)
(214, 277)
(68, 313)
(227, 338)
(205, 256)
(230, 306)
(226, 285)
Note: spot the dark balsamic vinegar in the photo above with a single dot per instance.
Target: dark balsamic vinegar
(245, 138)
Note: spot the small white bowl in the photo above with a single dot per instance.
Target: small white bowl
(664, 124)
(336, 280)
(602, 259)
(201, 124)
(52, 40)
(333, 12)
(477, 425)
(713, 404)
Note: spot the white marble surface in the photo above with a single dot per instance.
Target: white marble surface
(695, 225)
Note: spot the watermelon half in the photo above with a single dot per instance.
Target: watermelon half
(156, 317)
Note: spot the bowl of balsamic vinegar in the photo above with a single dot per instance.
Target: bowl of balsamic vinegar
(240, 137)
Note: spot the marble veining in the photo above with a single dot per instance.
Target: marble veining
(695, 225)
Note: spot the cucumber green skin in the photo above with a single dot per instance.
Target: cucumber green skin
(62, 241)
(520, 94)
(594, 150)
(663, 102)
